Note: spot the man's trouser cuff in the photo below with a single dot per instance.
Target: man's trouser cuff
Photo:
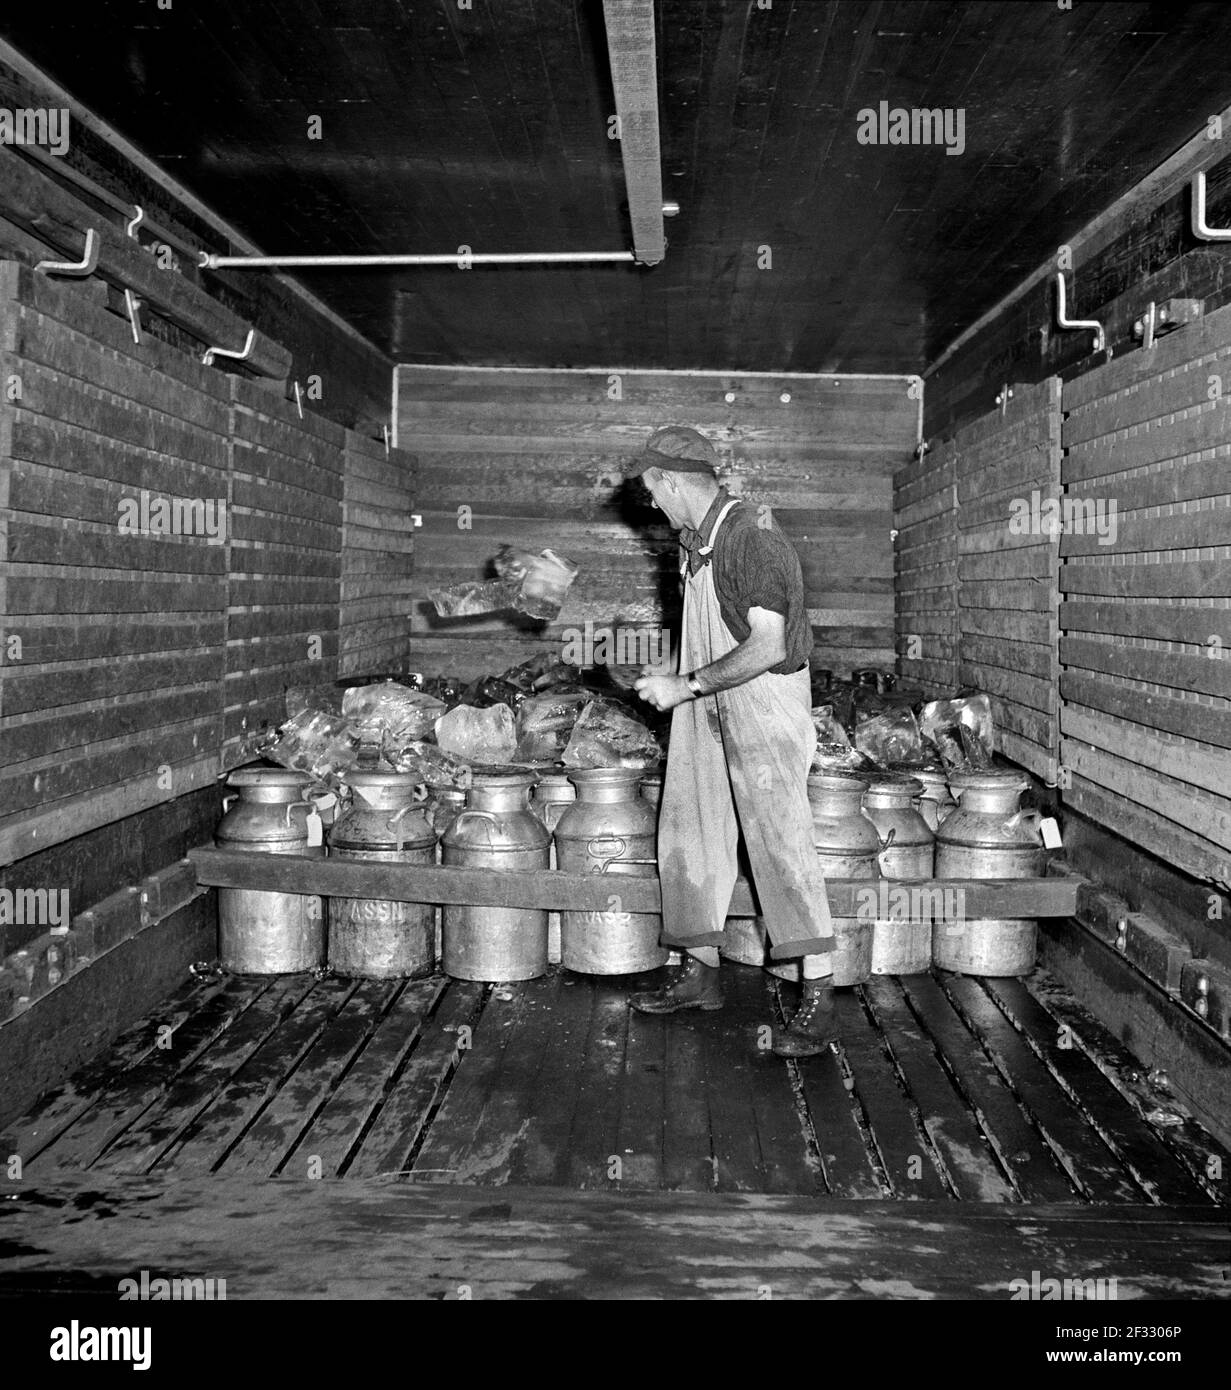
(685, 943)
(813, 946)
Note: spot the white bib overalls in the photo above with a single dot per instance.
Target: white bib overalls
(738, 760)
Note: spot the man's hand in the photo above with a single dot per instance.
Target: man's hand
(663, 692)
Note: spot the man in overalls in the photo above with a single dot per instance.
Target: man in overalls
(742, 741)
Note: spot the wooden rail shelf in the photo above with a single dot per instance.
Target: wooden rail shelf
(553, 890)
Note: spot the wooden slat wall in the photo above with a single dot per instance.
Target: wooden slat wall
(285, 559)
(112, 703)
(1146, 627)
(136, 668)
(925, 579)
(537, 456)
(976, 604)
(40, 202)
(378, 549)
(1007, 592)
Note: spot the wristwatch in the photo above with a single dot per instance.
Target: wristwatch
(695, 685)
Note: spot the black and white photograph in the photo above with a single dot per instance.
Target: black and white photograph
(615, 674)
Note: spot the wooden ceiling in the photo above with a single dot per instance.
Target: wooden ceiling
(488, 126)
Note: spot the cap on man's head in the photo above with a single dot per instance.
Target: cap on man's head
(676, 449)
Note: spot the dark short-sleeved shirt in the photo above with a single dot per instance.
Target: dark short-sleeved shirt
(755, 566)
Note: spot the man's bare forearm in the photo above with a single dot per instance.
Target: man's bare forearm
(750, 659)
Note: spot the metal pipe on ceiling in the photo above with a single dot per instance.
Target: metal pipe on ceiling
(634, 76)
(209, 261)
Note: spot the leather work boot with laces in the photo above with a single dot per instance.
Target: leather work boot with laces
(693, 986)
(814, 1025)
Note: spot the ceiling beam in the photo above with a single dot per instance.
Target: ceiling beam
(634, 75)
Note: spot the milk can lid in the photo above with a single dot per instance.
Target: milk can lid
(837, 781)
(504, 776)
(894, 783)
(606, 776)
(927, 775)
(357, 778)
(268, 777)
(989, 779)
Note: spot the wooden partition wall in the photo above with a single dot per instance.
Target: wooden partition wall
(114, 642)
(1146, 616)
(284, 564)
(1007, 465)
(534, 458)
(977, 566)
(925, 568)
(1103, 642)
(135, 667)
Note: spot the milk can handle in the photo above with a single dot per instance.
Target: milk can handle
(290, 806)
(1026, 816)
(607, 863)
(226, 802)
(598, 854)
(885, 842)
(483, 815)
(393, 823)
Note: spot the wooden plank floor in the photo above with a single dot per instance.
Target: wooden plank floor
(943, 1090)
(293, 1239)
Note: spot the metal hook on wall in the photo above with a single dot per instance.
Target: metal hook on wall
(133, 305)
(1063, 321)
(213, 352)
(1005, 396)
(1200, 228)
(85, 266)
(131, 228)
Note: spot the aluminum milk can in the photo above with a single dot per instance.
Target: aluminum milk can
(847, 842)
(612, 830)
(847, 845)
(900, 945)
(552, 796)
(497, 830)
(907, 844)
(958, 781)
(443, 805)
(935, 800)
(268, 933)
(988, 836)
(374, 938)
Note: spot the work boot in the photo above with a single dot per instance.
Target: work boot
(693, 986)
(814, 1025)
